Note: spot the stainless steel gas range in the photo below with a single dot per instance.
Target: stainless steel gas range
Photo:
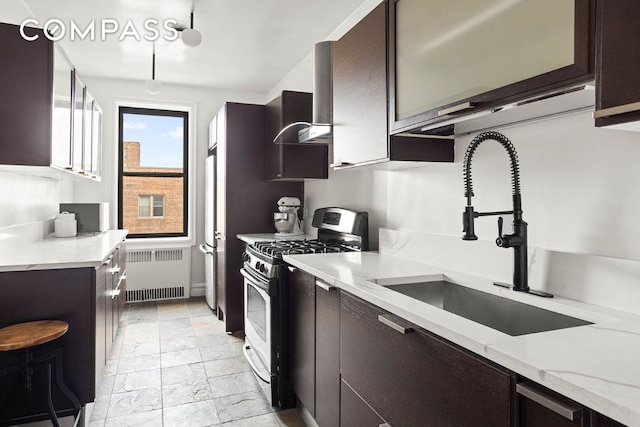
(266, 294)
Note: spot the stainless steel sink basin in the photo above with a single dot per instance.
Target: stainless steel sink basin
(511, 317)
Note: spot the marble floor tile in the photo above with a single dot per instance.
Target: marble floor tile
(140, 363)
(137, 381)
(232, 365)
(175, 333)
(133, 402)
(141, 419)
(240, 406)
(221, 351)
(196, 414)
(140, 349)
(266, 420)
(184, 374)
(173, 365)
(178, 394)
(233, 384)
(177, 344)
(100, 407)
(182, 357)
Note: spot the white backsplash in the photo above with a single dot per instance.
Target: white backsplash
(29, 204)
(598, 280)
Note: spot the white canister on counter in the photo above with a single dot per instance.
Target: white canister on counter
(65, 225)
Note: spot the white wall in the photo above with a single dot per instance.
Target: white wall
(26, 199)
(207, 102)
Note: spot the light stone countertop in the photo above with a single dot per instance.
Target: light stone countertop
(55, 253)
(596, 365)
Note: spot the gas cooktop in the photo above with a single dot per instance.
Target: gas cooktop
(292, 247)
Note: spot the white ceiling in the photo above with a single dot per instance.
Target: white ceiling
(247, 44)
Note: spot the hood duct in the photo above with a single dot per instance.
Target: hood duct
(320, 130)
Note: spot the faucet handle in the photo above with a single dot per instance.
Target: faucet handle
(502, 241)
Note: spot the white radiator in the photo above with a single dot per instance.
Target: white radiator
(158, 274)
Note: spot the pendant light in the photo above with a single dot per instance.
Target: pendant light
(153, 86)
(191, 37)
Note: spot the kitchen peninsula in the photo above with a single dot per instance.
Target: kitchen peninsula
(80, 280)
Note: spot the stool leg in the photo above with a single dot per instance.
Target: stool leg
(57, 355)
(50, 409)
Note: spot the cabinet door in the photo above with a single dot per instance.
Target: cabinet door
(360, 91)
(101, 322)
(540, 407)
(61, 116)
(617, 86)
(449, 59)
(96, 141)
(26, 88)
(78, 124)
(302, 337)
(355, 412)
(87, 129)
(108, 336)
(416, 378)
(327, 355)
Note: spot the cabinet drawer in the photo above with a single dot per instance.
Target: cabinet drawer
(417, 378)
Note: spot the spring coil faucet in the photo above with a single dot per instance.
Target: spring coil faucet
(517, 240)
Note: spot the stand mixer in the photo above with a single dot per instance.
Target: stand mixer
(286, 221)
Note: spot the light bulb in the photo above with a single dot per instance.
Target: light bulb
(191, 37)
(153, 86)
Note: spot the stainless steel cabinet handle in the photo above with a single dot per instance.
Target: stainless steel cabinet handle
(292, 269)
(614, 111)
(393, 324)
(385, 425)
(567, 410)
(457, 108)
(324, 285)
(115, 293)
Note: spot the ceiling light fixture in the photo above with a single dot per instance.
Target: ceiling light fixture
(153, 86)
(191, 37)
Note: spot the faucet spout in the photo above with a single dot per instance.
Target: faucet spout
(517, 240)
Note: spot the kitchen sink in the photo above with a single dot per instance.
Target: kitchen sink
(511, 317)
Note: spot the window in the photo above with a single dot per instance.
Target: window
(144, 206)
(152, 172)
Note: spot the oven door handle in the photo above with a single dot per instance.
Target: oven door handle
(245, 350)
(257, 283)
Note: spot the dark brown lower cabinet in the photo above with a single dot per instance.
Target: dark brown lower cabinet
(302, 337)
(314, 336)
(327, 355)
(355, 412)
(414, 378)
(541, 407)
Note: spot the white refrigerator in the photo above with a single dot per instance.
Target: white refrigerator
(209, 245)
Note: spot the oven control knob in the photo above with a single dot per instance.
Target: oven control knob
(258, 265)
(245, 256)
(263, 268)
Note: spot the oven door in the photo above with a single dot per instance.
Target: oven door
(257, 324)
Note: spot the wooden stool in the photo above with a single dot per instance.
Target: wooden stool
(25, 336)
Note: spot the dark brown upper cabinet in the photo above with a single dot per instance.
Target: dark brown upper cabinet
(287, 159)
(360, 103)
(26, 90)
(617, 84)
(451, 59)
(45, 115)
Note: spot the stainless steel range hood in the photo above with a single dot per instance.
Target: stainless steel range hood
(320, 130)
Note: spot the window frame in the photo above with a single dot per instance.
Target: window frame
(185, 174)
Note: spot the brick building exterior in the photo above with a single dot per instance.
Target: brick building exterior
(150, 204)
